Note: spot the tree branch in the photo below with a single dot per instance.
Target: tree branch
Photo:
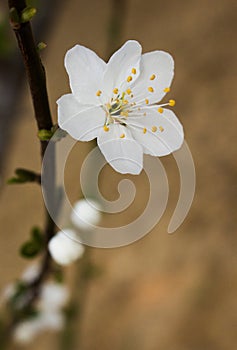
(37, 82)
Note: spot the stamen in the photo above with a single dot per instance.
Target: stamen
(152, 77)
(134, 71)
(144, 130)
(122, 136)
(128, 91)
(144, 114)
(166, 89)
(131, 95)
(160, 110)
(154, 129)
(125, 102)
(150, 89)
(105, 127)
(129, 78)
(147, 101)
(171, 103)
(161, 128)
(115, 91)
(99, 92)
(124, 113)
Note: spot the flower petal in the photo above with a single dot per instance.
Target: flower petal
(120, 150)
(82, 122)
(159, 134)
(85, 70)
(156, 74)
(123, 63)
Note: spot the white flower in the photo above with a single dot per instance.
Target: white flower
(85, 214)
(26, 331)
(53, 296)
(52, 299)
(64, 247)
(116, 103)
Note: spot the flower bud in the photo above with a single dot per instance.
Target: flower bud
(85, 214)
(64, 247)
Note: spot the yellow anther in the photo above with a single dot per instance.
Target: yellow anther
(129, 78)
(152, 77)
(171, 103)
(131, 95)
(122, 136)
(99, 92)
(128, 91)
(150, 89)
(144, 114)
(144, 130)
(154, 129)
(160, 110)
(106, 128)
(115, 91)
(161, 128)
(134, 71)
(166, 89)
(124, 113)
(139, 109)
(147, 101)
(125, 102)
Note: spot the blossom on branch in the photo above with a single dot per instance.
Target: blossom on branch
(116, 102)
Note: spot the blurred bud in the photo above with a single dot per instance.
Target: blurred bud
(85, 214)
(45, 135)
(14, 18)
(53, 297)
(41, 46)
(27, 14)
(64, 247)
(26, 331)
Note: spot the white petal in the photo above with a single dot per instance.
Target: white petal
(160, 65)
(123, 154)
(166, 139)
(85, 70)
(82, 122)
(120, 66)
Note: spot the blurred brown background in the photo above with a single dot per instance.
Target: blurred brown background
(166, 291)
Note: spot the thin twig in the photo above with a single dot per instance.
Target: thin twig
(37, 81)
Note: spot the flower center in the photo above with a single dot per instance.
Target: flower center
(117, 110)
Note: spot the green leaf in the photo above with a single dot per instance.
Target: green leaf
(30, 249)
(23, 176)
(37, 236)
(27, 14)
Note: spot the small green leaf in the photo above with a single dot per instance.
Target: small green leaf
(41, 46)
(27, 14)
(15, 180)
(37, 236)
(23, 176)
(45, 135)
(30, 249)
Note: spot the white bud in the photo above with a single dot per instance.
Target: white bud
(64, 247)
(86, 213)
(53, 296)
(26, 331)
(30, 273)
